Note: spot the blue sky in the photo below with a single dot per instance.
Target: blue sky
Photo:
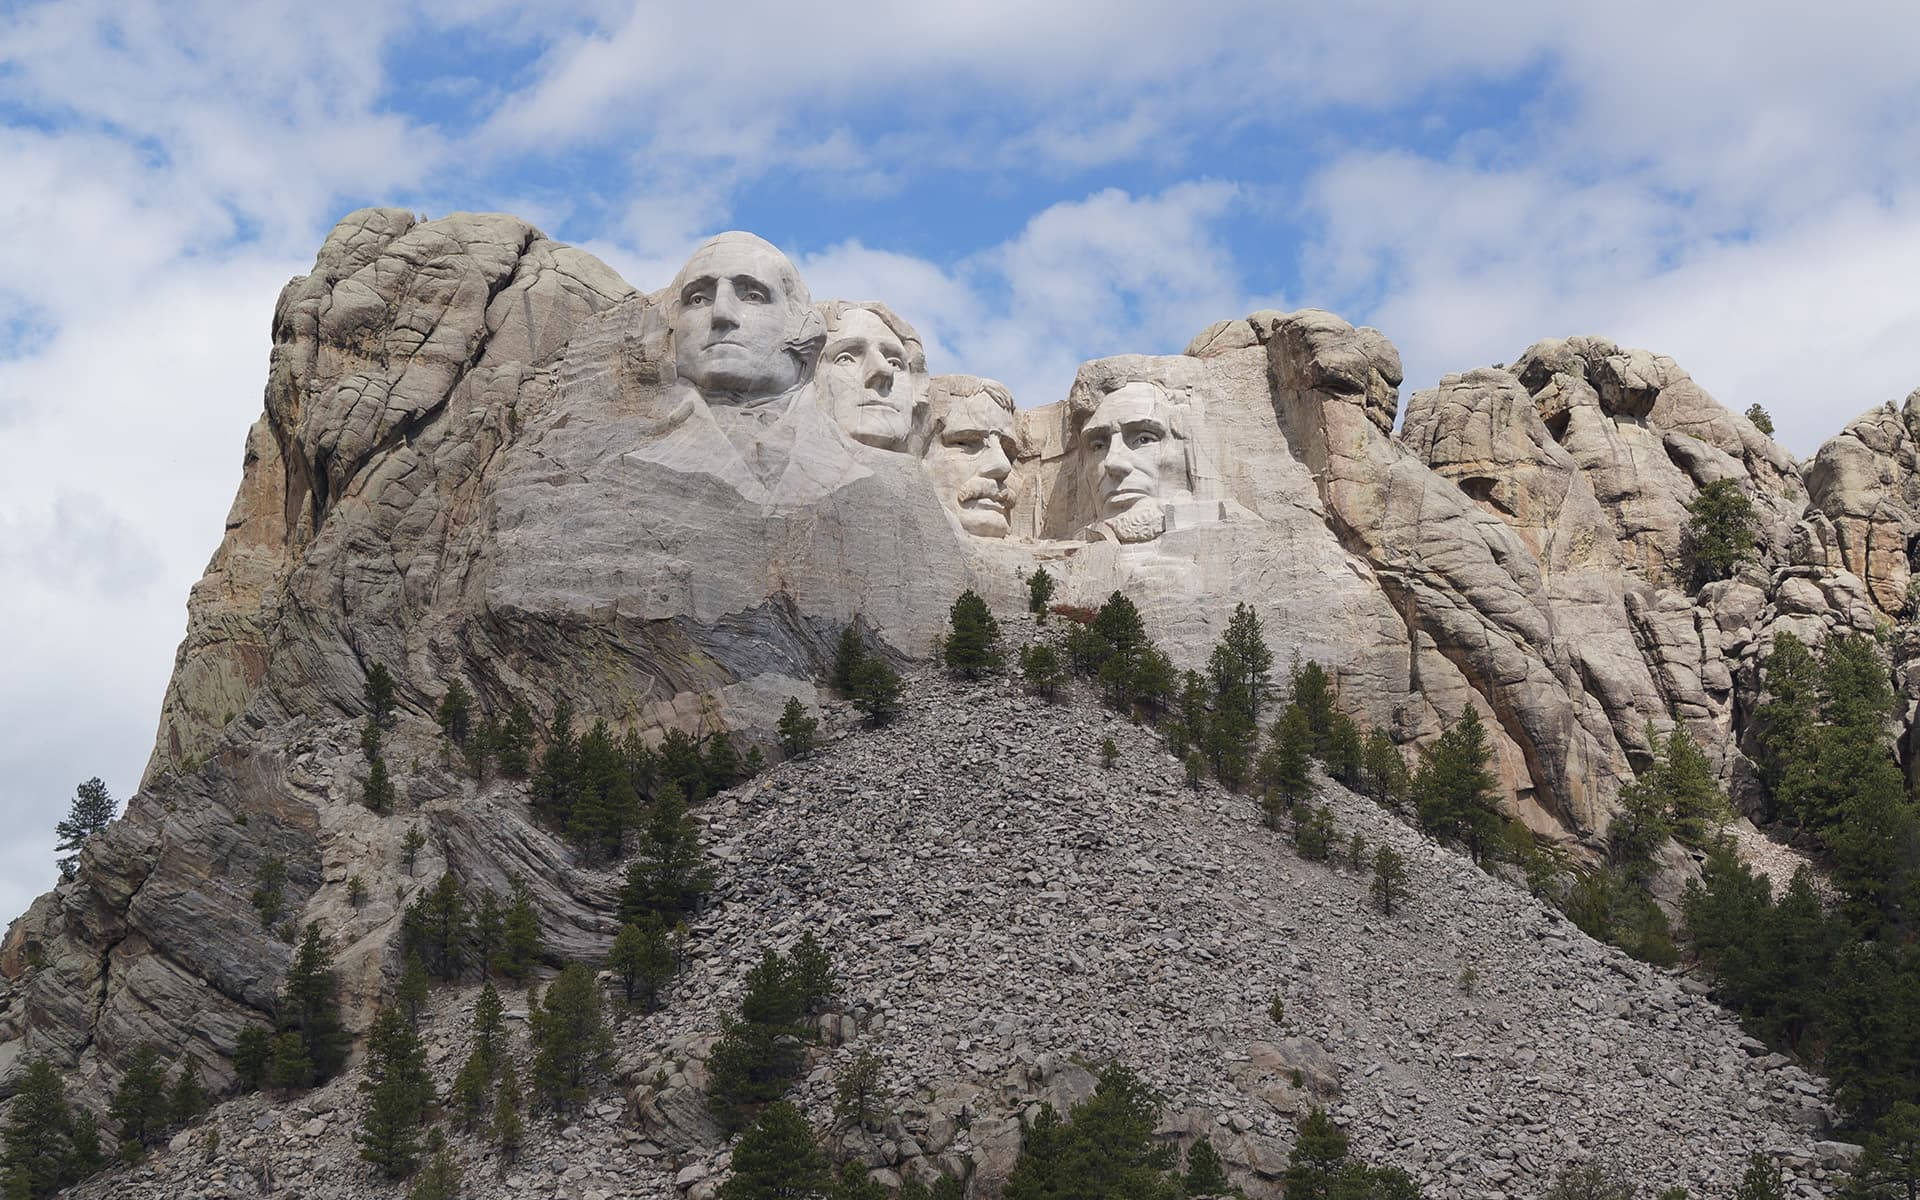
(1737, 185)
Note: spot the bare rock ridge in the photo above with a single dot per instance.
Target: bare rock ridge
(483, 457)
(1006, 914)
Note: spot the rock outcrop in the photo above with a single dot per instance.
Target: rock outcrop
(484, 458)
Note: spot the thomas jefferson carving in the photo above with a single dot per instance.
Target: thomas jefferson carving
(970, 451)
(872, 376)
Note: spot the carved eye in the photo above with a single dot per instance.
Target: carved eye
(972, 443)
(697, 297)
(753, 293)
(896, 363)
(847, 357)
(1142, 437)
(1097, 443)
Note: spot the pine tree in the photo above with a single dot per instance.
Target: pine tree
(1246, 662)
(643, 958)
(1383, 770)
(1719, 533)
(440, 1179)
(514, 751)
(1890, 1167)
(1787, 727)
(1193, 728)
(472, 1088)
(1124, 635)
(1284, 766)
(1389, 879)
(723, 768)
(799, 732)
(1761, 1181)
(291, 1066)
(1041, 669)
(810, 975)
(1319, 1152)
(856, 1183)
(455, 714)
(758, 1053)
(856, 1091)
(1759, 419)
(519, 934)
(399, 1093)
(92, 809)
(378, 792)
(84, 1155)
(571, 1044)
(269, 889)
(1206, 1175)
(410, 847)
(310, 1007)
(37, 1154)
(848, 655)
(1039, 592)
(556, 783)
(252, 1055)
(1232, 730)
(380, 696)
(139, 1106)
(669, 874)
(489, 1038)
(876, 690)
(972, 647)
(778, 1158)
(410, 995)
(435, 927)
(1454, 791)
(1105, 1148)
(507, 1127)
(1313, 692)
(187, 1099)
(486, 929)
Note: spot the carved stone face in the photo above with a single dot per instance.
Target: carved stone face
(863, 377)
(970, 460)
(732, 320)
(1131, 453)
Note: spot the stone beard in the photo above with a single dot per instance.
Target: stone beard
(970, 454)
(1136, 461)
(743, 324)
(872, 375)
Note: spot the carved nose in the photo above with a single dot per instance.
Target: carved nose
(880, 379)
(1117, 462)
(725, 308)
(997, 467)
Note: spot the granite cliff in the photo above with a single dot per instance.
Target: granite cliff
(486, 458)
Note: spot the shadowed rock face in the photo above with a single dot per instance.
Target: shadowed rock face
(483, 457)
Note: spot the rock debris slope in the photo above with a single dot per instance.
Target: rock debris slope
(1005, 913)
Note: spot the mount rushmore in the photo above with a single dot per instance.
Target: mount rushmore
(484, 457)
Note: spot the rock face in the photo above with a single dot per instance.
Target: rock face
(1005, 914)
(484, 458)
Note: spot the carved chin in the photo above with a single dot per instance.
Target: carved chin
(882, 429)
(982, 520)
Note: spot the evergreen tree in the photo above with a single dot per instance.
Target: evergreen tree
(856, 1091)
(410, 847)
(1206, 1175)
(1231, 729)
(1041, 669)
(556, 782)
(848, 655)
(1890, 1168)
(759, 1051)
(810, 975)
(455, 714)
(435, 928)
(1154, 681)
(643, 958)
(411, 993)
(669, 875)
(486, 929)
(1389, 879)
(482, 748)
(84, 1155)
(90, 812)
(1760, 420)
(799, 732)
(1719, 533)
(1196, 769)
(1124, 638)
(252, 1055)
(1193, 727)
(856, 1183)
(571, 1044)
(1760, 1181)
(37, 1155)
(1454, 791)
(1039, 592)
(1696, 807)
(1383, 770)
(310, 1007)
(679, 763)
(1318, 1156)
(972, 646)
(514, 751)
(605, 802)
(778, 1158)
(1105, 1148)
(489, 1038)
(723, 766)
(1246, 663)
(1313, 692)
(139, 1105)
(440, 1179)
(1346, 751)
(380, 692)
(269, 889)
(507, 1127)
(472, 1088)
(291, 1066)
(876, 690)
(399, 1094)
(519, 934)
(1313, 832)
(1786, 726)
(1284, 767)
(187, 1099)
(378, 792)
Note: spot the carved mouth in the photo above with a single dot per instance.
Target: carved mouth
(998, 502)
